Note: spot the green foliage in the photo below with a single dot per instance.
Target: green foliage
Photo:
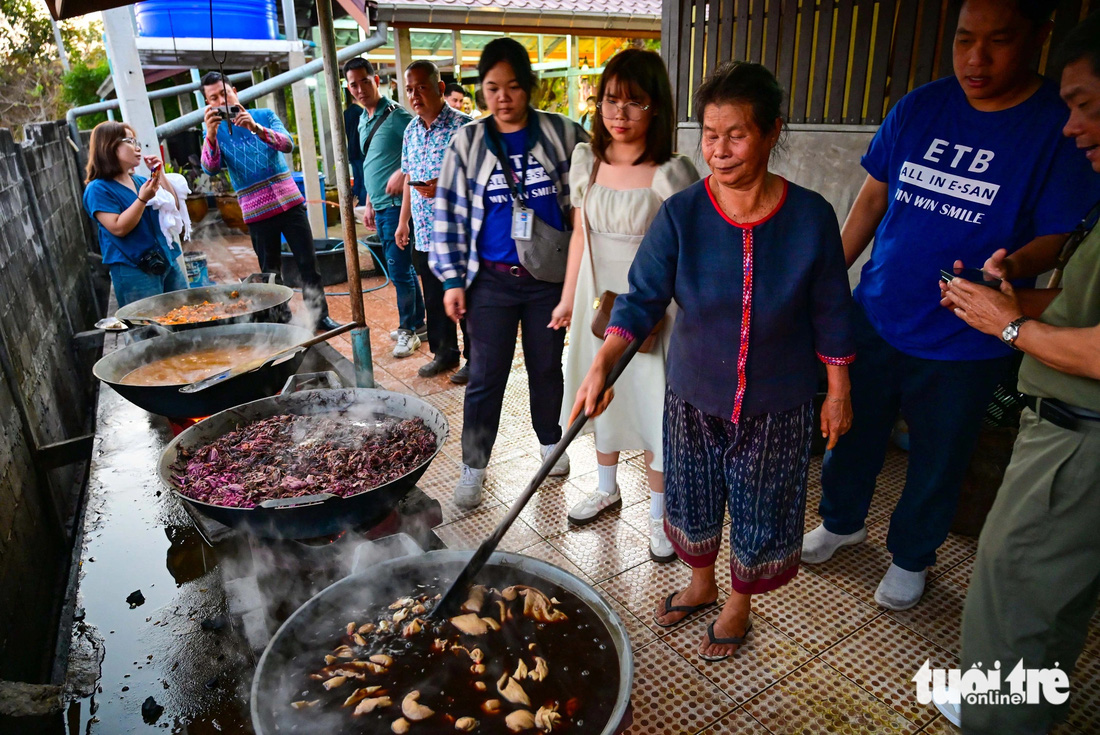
(79, 85)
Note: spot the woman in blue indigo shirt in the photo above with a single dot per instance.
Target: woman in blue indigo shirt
(756, 267)
(141, 262)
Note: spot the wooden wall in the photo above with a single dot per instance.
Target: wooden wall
(842, 62)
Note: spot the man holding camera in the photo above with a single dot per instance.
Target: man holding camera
(251, 148)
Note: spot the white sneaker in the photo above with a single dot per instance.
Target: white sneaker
(422, 333)
(467, 494)
(820, 544)
(660, 548)
(594, 505)
(561, 467)
(407, 343)
(900, 589)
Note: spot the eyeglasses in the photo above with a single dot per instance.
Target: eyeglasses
(132, 141)
(631, 110)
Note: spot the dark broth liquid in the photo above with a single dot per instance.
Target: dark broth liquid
(583, 678)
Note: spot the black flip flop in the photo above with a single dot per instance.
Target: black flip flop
(733, 641)
(689, 609)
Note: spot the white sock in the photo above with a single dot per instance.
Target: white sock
(606, 474)
(656, 504)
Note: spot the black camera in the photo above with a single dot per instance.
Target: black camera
(153, 261)
(234, 110)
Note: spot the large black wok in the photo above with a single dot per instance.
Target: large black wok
(167, 400)
(313, 515)
(307, 634)
(267, 301)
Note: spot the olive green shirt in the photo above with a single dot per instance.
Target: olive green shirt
(1077, 306)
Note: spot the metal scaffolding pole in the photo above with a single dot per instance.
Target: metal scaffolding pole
(360, 336)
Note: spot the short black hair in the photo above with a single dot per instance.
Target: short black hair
(214, 77)
(452, 88)
(1083, 42)
(359, 62)
(428, 67)
(744, 82)
(511, 52)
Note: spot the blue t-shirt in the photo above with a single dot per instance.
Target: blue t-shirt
(107, 195)
(495, 241)
(963, 183)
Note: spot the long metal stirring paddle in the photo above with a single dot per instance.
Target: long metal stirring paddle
(456, 593)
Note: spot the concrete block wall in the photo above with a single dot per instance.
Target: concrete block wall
(46, 389)
(824, 158)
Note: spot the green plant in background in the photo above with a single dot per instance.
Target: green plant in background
(79, 87)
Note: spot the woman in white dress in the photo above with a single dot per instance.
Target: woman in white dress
(635, 171)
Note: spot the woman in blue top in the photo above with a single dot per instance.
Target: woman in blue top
(756, 267)
(141, 262)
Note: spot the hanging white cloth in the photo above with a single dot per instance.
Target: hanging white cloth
(175, 222)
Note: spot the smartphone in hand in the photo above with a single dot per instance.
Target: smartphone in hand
(974, 275)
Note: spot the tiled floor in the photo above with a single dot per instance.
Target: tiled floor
(822, 657)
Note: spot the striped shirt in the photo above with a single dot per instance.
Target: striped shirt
(460, 192)
(256, 165)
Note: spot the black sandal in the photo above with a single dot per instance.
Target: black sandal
(688, 609)
(732, 641)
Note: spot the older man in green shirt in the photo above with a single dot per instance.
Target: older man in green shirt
(1036, 577)
(381, 134)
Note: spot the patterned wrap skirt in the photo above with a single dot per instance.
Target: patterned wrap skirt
(758, 469)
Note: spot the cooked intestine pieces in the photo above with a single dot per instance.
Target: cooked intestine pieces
(521, 670)
(520, 720)
(335, 682)
(510, 689)
(547, 718)
(413, 709)
(400, 726)
(359, 695)
(541, 670)
(465, 724)
(403, 602)
(383, 659)
(370, 705)
(302, 704)
(470, 624)
(478, 595)
(537, 607)
(490, 706)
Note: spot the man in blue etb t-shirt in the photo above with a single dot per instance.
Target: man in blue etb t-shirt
(960, 169)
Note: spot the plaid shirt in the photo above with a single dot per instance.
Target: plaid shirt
(421, 158)
(460, 193)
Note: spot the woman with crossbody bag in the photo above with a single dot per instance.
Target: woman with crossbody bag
(141, 262)
(618, 183)
(500, 246)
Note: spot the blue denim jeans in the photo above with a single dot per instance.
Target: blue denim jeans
(943, 402)
(399, 263)
(132, 284)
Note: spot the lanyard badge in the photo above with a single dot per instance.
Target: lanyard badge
(523, 221)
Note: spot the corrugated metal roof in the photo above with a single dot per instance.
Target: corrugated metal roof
(611, 7)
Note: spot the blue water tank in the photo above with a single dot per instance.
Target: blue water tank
(254, 19)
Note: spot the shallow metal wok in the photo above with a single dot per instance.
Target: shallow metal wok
(313, 515)
(167, 400)
(278, 678)
(268, 303)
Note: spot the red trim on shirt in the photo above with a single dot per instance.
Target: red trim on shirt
(745, 225)
(618, 332)
(746, 316)
(836, 360)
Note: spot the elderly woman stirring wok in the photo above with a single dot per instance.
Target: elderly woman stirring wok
(756, 267)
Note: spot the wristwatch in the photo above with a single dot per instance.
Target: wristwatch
(1012, 331)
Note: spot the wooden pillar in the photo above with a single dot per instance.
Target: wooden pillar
(402, 55)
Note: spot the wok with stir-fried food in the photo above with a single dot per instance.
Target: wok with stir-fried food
(525, 658)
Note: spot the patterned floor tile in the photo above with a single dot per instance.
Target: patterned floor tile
(641, 588)
(507, 480)
(857, 569)
(670, 696)
(546, 552)
(766, 657)
(882, 658)
(738, 722)
(471, 531)
(603, 549)
(640, 633)
(548, 511)
(960, 573)
(817, 698)
(940, 726)
(1084, 703)
(813, 612)
(439, 483)
(938, 616)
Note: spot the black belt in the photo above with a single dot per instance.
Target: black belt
(1062, 414)
(512, 270)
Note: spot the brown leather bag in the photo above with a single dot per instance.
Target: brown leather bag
(605, 302)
